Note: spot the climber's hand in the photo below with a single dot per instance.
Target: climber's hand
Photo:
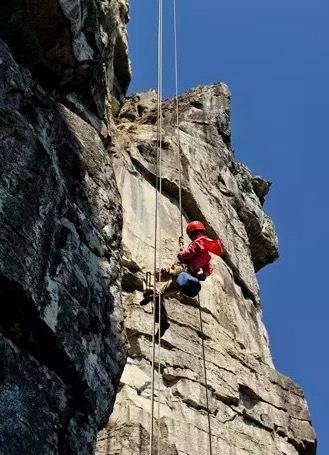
(168, 270)
(172, 270)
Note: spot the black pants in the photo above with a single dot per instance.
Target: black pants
(159, 303)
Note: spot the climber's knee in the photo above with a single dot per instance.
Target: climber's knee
(188, 284)
(169, 289)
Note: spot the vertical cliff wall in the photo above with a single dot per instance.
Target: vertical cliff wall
(73, 184)
(63, 346)
(254, 409)
(76, 49)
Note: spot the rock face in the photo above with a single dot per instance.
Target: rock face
(71, 185)
(77, 48)
(253, 409)
(63, 346)
(61, 326)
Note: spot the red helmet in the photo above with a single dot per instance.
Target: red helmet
(194, 226)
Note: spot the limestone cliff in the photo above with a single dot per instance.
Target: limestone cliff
(254, 409)
(72, 184)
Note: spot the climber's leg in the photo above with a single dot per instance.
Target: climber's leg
(163, 322)
(163, 327)
(147, 297)
(147, 289)
(169, 289)
(159, 304)
(163, 276)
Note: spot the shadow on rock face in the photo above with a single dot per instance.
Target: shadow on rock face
(63, 347)
(77, 48)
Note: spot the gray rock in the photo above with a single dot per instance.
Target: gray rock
(216, 189)
(140, 106)
(62, 342)
(77, 47)
(62, 328)
(253, 409)
(132, 439)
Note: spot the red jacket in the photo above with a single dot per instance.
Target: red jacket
(196, 255)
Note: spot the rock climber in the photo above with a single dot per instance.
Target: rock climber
(184, 277)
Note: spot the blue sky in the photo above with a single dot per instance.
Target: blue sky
(274, 57)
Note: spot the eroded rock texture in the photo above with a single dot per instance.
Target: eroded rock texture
(62, 342)
(64, 67)
(254, 409)
(77, 48)
(63, 345)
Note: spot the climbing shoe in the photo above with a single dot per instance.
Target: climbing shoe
(164, 326)
(148, 297)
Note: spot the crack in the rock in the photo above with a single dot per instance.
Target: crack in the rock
(230, 419)
(303, 447)
(18, 232)
(252, 394)
(20, 322)
(164, 344)
(172, 189)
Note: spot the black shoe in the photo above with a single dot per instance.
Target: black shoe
(148, 297)
(164, 326)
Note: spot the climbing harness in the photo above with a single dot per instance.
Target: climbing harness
(157, 230)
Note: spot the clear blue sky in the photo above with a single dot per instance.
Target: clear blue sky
(274, 55)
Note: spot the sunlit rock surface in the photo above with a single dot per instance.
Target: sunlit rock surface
(77, 173)
(254, 409)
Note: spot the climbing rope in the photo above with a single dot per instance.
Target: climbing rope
(160, 51)
(157, 224)
(181, 237)
(157, 229)
(205, 376)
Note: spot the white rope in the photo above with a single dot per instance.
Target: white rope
(205, 376)
(177, 126)
(158, 191)
(157, 229)
(160, 214)
(181, 215)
